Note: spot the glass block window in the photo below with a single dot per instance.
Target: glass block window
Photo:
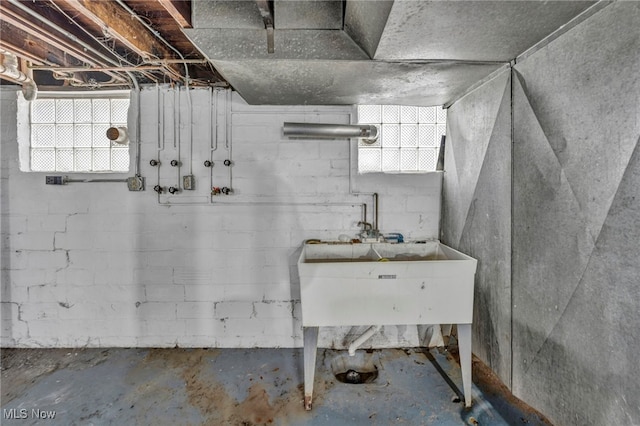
(409, 138)
(69, 134)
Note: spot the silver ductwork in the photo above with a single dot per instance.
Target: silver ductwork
(359, 52)
(368, 132)
(9, 69)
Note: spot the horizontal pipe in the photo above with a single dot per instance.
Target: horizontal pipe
(368, 132)
(96, 69)
(9, 69)
(176, 61)
(93, 180)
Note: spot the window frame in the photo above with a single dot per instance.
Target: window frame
(24, 128)
(380, 148)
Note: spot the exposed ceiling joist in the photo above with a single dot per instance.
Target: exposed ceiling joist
(37, 31)
(180, 10)
(28, 40)
(125, 29)
(105, 38)
(23, 53)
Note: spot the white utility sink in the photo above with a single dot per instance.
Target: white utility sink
(345, 284)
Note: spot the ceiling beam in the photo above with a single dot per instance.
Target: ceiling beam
(125, 29)
(180, 10)
(22, 45)
(37, 32)
(31, 41)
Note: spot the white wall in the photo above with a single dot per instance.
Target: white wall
(92, 264)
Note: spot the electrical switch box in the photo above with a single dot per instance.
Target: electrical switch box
(188, 182)
(135, 183)
(54, 180)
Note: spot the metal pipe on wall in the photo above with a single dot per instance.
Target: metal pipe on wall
(9, 69)
(368, 132)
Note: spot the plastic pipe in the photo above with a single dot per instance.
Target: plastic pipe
(363, 338)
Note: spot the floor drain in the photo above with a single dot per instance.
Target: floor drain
(352, 376)
(355, 370)
(357, 377)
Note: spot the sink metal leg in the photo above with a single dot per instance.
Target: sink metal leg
(310, 351)
(464, 347)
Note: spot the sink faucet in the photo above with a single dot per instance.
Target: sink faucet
(366, 226)
(367, 230)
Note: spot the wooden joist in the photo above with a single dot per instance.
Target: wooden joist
(180, 10)
(127, 30)
(27, 39)
(37, 32)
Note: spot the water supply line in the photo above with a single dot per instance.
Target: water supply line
(213, 128)
(376, 230)
(9, 69)
(177, 139)
(227, 135)
(363, 338)
(138, 121)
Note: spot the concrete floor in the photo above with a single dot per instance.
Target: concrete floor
(244, 387)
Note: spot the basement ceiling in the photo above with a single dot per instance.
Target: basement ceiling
(388, 52)
(324, 51)
(71, 44)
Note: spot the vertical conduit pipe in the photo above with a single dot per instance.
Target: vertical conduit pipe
(190, 124)
(364, 212)
(177, 140)
(138, 121)
(213, 110)
(229, 131)
(375, 212)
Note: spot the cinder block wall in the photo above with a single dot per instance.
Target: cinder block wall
(92, 264)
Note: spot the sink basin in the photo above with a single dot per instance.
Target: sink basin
(385, 284)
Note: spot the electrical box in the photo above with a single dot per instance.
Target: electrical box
(188, 182)
(135, 183)
(54, 180)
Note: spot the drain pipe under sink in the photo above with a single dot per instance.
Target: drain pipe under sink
(363, 338)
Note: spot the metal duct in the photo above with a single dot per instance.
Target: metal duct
(9, 69)
(368, 132)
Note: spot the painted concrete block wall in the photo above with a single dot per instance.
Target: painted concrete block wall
(576, 222)
(92, 264)
(476, 210)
